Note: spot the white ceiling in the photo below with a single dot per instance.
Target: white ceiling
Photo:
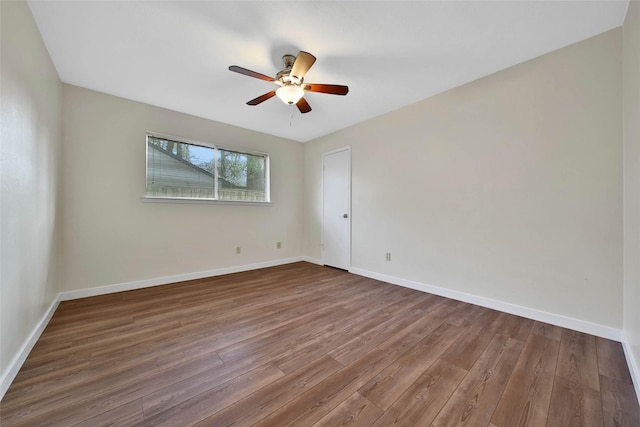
(176, 54)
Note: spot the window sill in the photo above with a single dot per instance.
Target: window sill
(150, 199)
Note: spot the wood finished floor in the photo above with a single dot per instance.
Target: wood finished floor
(305, 345)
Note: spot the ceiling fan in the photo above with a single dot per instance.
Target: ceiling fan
(291, 82)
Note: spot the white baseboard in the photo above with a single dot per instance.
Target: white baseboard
(139, 284)
(312, 260)
(16, 363)
(530, 313)
(634, 368)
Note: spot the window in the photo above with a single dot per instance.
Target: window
(188, 170)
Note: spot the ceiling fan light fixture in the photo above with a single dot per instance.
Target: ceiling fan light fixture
(290, 93)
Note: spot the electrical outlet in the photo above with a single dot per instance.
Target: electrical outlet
(278, 245)
(388, 256)
(237, 249)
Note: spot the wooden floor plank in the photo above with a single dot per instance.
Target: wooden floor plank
(354, 411)
(200, 382)
(619, 404)
(335, 338)
(401, 342)
(574, 404)
(402, 317)
(578, 359)
(465, 314)
(43, 405)
(284, 335)
(611, 360)
(525, 401)
(123, 415)
(422, 401)
(516, 327)
(251, 409)
(203, 405)
(466, 351)
(546, 330)
(386, 387)
(83, 403)
(477, 396)
(321, 399)
(301, 345)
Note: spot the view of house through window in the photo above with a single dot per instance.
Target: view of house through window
(186, 170)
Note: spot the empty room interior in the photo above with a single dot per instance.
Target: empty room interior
(320, 213)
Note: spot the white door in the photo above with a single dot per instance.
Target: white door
(336, 208)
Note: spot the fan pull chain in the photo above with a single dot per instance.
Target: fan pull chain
(291, 116)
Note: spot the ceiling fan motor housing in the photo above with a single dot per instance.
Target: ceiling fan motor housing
(284, 76)
(288, 60)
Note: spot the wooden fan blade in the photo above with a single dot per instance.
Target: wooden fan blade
(303, 106)
(303, 62)
(250, 73)
(331, 89)
(262, 98)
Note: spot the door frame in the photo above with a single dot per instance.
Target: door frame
(328, 153)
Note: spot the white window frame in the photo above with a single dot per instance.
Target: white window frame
(216, 147)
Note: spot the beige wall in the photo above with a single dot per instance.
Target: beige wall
(508, 188)
(111, 237)
(631, 131)
(29, 180)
